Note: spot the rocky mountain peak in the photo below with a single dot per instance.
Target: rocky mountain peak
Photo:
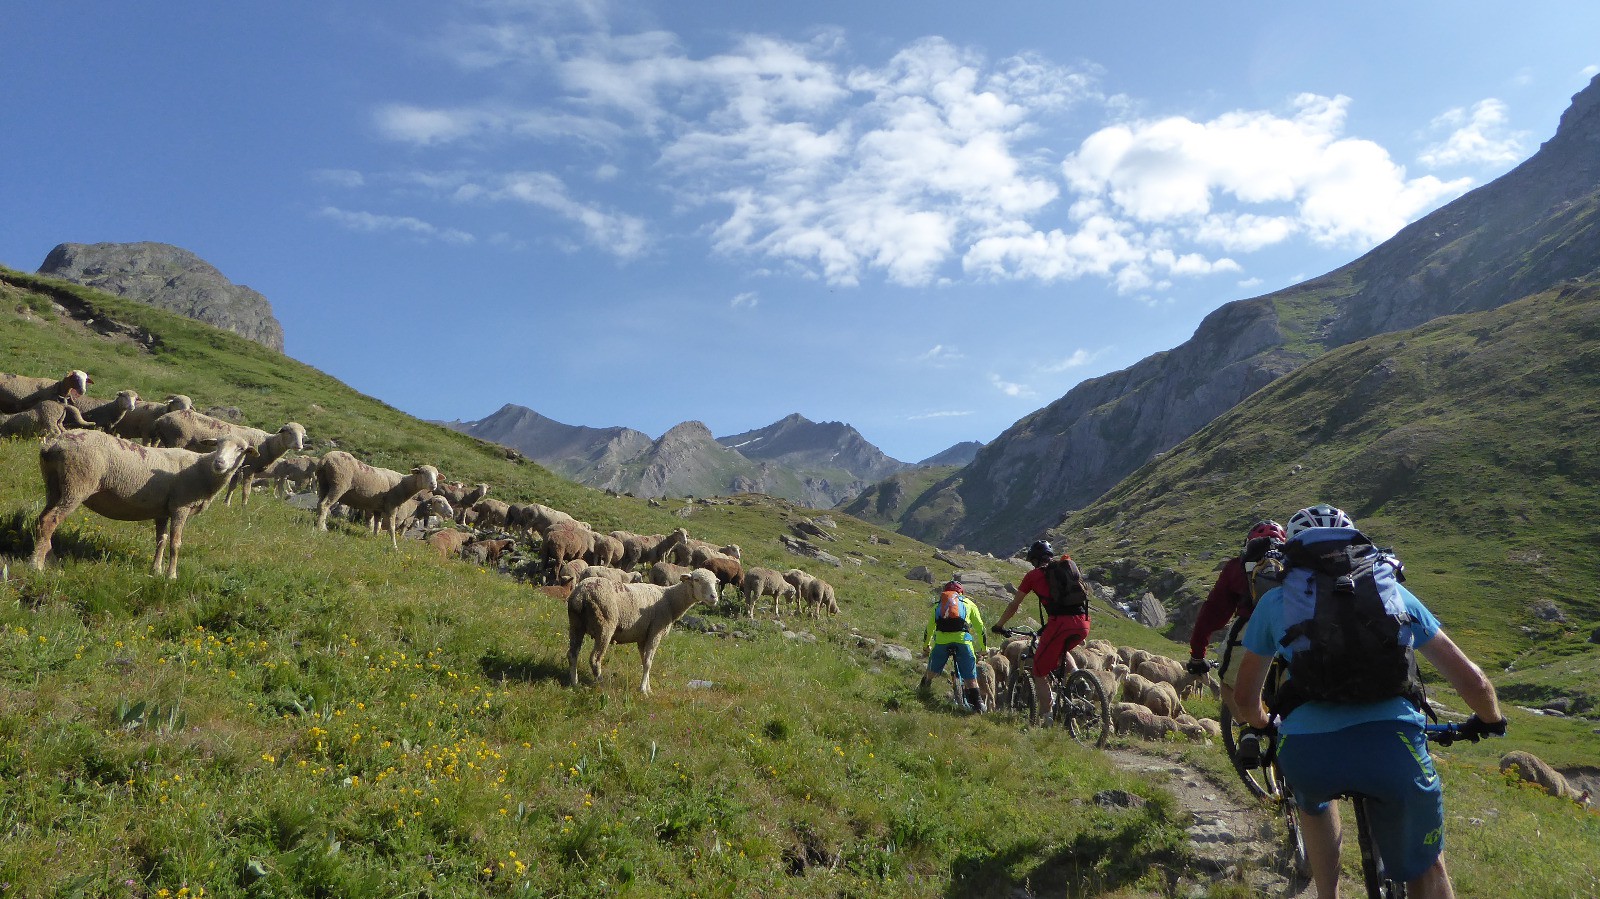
(169, 278)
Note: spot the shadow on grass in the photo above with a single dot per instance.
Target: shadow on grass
(1098, 862)
(521, 668)
(17, 534)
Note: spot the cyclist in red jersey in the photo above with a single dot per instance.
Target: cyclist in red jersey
(1231, 597)
(1062, 632)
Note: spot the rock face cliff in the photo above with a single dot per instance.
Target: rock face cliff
(574, 451)
(169, 278)
(1533, 227)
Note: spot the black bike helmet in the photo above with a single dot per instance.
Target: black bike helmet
(1040, 552)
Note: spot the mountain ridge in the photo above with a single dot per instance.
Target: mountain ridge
(1530, 228)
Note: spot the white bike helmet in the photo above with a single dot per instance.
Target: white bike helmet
(1321, 515)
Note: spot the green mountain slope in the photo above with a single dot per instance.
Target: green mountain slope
(304, 714)
(1468, 443)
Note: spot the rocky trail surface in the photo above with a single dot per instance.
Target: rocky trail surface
(1233, 838)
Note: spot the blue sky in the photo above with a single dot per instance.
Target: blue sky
(925, 219)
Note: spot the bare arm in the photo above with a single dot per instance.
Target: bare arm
(1011, 609)
(1247, 689)
(1463, 675)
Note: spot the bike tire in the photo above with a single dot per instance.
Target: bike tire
(1020, 696)
(1297, 861)
(1081, 703)
(1257, 780)
(1376, 879)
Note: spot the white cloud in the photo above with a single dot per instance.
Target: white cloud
(624, 236)
(1477, 136)
(747, 299)
(372, 223)
(339, 177)
(940, 354)
(1313, 180)
(953, 413)
(1078, 359)
(1009, 388)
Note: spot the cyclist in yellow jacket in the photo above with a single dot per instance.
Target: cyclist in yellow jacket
(951, 631)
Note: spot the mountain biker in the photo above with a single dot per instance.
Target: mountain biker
(956, 621)
(1061, 632)
(1230, 597)
(1329, 749)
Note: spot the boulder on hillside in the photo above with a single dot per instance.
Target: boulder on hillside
(169, 278)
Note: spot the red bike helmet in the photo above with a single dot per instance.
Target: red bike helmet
(953, 585)
(1267, 528)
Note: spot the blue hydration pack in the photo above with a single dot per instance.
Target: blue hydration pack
(1348, 629)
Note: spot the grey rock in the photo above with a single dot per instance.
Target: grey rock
(894, 653)
(169, 278)
(924, 574)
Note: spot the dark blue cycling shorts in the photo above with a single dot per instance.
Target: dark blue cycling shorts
(966, 662)
(1387, 762)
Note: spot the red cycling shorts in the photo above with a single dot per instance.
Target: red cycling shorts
(1061, 634)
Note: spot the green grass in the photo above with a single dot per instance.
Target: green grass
(304, 714)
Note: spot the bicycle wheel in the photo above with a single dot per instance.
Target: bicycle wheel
(1296, 860)
(1257, 780)
(1379, 886)
(1020, 695)
(1081, 703)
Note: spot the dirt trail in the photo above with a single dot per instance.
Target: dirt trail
(1232, 838)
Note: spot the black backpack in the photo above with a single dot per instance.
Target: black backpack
(1348, 625)
(1069, 595)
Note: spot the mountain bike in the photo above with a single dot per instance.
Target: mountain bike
(1259, 779)
(1373, 871)
(1078, 698)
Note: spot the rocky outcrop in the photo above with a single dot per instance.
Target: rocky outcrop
(571, 450)
(958, 455)
(1534, 227)
(169, 278)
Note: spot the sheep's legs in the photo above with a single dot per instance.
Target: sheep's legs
(178, 519)
(163, 538)
(647, 654)
(602, 642)
(574, 646)
(49, 520)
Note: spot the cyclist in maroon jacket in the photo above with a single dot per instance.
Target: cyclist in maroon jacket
(1230, 598)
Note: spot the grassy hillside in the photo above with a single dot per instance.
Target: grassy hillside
(304, 714)
(1468, 444)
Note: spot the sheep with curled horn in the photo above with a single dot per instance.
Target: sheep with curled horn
(128, 482)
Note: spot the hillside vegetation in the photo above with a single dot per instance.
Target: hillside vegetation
(1467, 444)
(305, 714)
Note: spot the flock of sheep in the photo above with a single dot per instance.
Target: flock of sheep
(132, 460)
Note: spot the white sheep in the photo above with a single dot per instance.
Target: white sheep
(19, 392)
(615, 575)
(105, 414)
(269, 449)
(139, 423)
(291, 473)
(379, 492)
(759, 582)
(46, 418)
(629, 613)
(127, 482)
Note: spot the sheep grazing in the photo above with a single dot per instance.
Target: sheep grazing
(1529, 767)
(105, 414)
(485, 551)
(488, 513)
(615, 575)
(448, 542)
(665, 574)
(606, 552)
(662, 547)
(269, 449)
(128, 482)
(139, 423)
(46, 418)
(19, 392)
(291, 473)
(629, 613)
(726, 568)
(759, 582)
(564, 543)
(380, 492)
(633, 548)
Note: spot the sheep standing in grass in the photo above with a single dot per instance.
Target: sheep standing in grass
(128, 482)
(105, 414)
(607, 550)
(726, 568)
(629, 613)
(662, 547)
(291, 473)
(562, 544)
(140, 421)
(269, 449)
(19, 392)
(379, 492)
(759, 582)
(448, 542)
(665, 574)
(47, 418)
